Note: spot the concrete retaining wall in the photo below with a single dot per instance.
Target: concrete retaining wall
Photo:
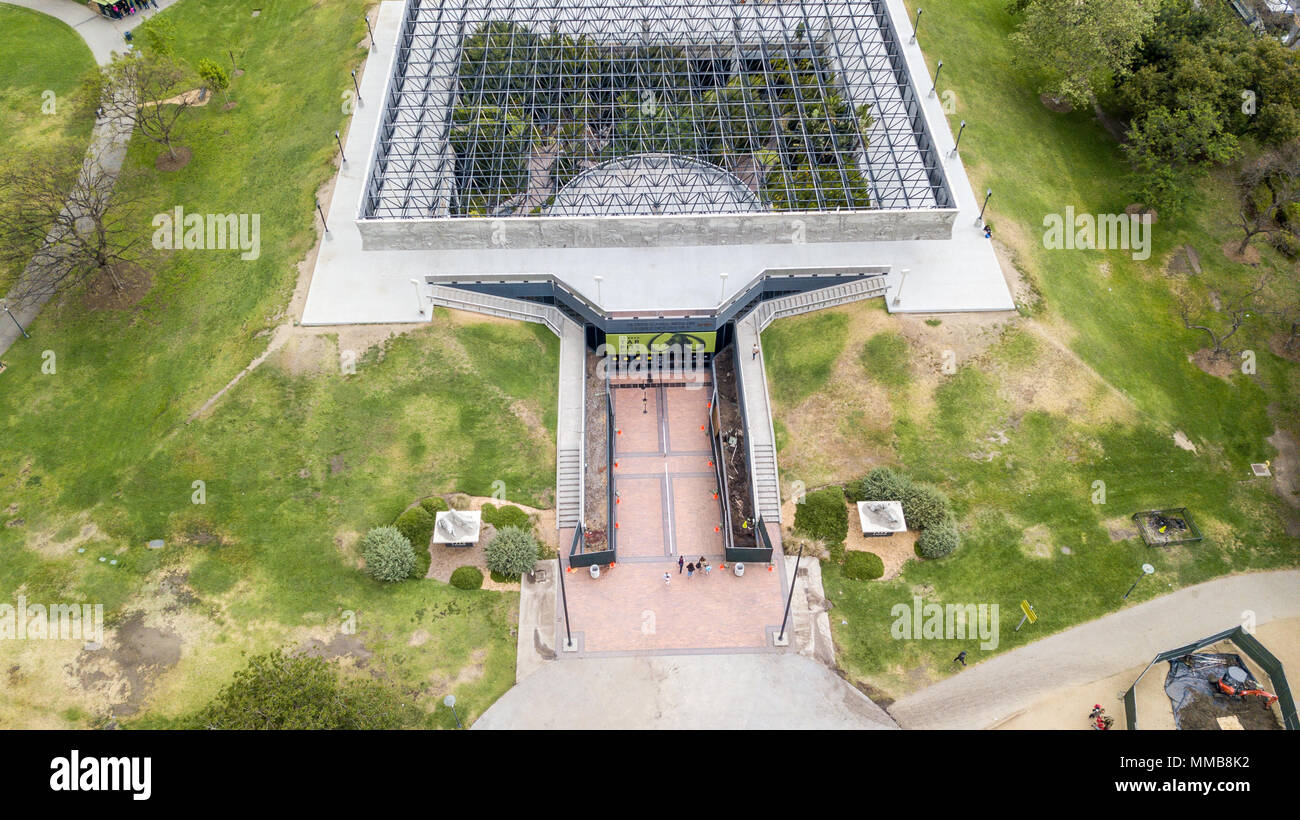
(655, 231)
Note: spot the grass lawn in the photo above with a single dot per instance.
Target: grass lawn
(1088, 384)
(42, 62)
(297, 460)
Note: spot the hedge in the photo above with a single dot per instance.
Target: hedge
(434, 505)
(467, 578)
(939, 541)
(823, 516)
(416, 524)
(863, 566)
(924, 506)
(388, 554)
(511, 552)
(507, 516)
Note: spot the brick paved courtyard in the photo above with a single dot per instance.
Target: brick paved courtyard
(667, 508)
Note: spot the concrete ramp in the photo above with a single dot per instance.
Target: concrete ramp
(763, 690)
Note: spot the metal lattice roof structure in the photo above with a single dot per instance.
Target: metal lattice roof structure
(555, 107)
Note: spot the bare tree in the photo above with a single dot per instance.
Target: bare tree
(1275, 174)
(61, 224)
(1235, 311)
(147, 90)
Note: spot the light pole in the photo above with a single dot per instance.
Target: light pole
(357, 87)
(979, 220)
(960, 131)
(340, 143)
(569, 646)
(916, 25)
(598, 279)
(322, 215)
(723, 296)
(790, 598)
(935, 88)
(902, 280)
(450, 703)
(369, 29)
(419, 301)
(21, 330)
(1147, 569)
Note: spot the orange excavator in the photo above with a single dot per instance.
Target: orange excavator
(1236, 684)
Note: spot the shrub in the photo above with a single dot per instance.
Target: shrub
(923, 505)
(417, 525)
(511, 552)
(388, 554)
(467, 578)
(881, 484)
(434, 505)
(863, 566)
(507, 516)
(938, 541)
(823, 516)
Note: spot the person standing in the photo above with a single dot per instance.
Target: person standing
(690, 570)
(668, 579)
(961, 658)
(754, 354)
(681, 562)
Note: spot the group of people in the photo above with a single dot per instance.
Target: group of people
(126, 8)
(690, 569)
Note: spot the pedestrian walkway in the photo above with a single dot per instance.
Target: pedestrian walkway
(668, 509)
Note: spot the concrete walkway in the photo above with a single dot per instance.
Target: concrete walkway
(108, 142)
(737, 691)
(997, 688)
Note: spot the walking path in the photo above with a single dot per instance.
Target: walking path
(993, 690)
(108, 142)
(736, 691)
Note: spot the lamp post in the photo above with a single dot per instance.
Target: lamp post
(450, 703)
(979, 220)
(935, 88)
(1147, 569)
(340, 143)
(369, 29)
(322, 215)
(357, 87)
(916, 25)
(960, 131)
(790, 599)
(419, 301)
(898, 294)
(569, 646)
(722, 297)
(21, 329)
(598, 279)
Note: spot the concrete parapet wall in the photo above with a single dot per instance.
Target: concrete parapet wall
(655, 231)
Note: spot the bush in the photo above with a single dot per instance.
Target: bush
(507, 516)
(923, 505)
(938, 541)
(823, 516)
(467, 578)
(388, 554)
(434, 505)
(863, 566)
(417, 525)
(511, 552)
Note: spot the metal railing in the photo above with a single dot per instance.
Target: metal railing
(720, 467)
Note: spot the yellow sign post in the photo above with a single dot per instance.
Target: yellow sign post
(1030, 614)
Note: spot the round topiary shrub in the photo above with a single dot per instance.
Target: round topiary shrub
(881, 484)
(388, 554)
(863, 566)
(511, 552)
(924, 507)
(507, 516)
(434, 505)
(416, 524)
(938, 541)
(467, 578)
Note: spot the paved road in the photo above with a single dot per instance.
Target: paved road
(997, 688)
(738, 691)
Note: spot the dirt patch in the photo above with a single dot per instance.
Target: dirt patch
(1249, 257)
(1286, 467)
(1219, 365)
(1149, 215)
(307, 354)
(49, 546)
(169, 161)
(133, 282)
(1037, 541)
(1278, 344)
(132, 659)
(340, 646)
(1183, 442)
(1120, 529)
